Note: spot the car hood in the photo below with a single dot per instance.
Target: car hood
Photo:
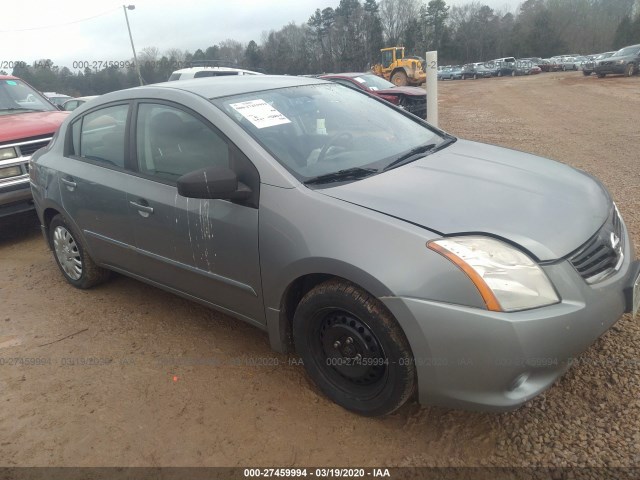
(546, 207)
(19, 125)
(411, 91)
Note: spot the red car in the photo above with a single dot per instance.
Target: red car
(412, 99)
(27, 122)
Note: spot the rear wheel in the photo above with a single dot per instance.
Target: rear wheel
(602, 75)
(399, 79)
(586, 73)
(353, 349)
(74, 262)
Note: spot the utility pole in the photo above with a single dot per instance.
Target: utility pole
(135, 57)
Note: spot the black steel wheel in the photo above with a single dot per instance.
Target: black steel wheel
(353, 349)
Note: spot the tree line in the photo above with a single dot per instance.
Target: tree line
(349, 38)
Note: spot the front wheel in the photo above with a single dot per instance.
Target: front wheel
(586, 73)
(72, 258)
(353, 349)
(399, 79)
(630, 70)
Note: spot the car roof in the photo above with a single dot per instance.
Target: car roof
(347, 74)
(215, 87)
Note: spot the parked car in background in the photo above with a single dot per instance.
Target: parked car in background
(625, 61)
(372, 247)
(545, 65)
(524, 66)
(475, 71)
(574, 63)
(450, 73)
(482, 70)
(56, 98)
(205, 69)
(502, 66)
(71, 105)
(590, 66)
(411, 99)
(28, 121)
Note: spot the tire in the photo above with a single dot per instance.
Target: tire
(513, 74)
(475, 76)
(586, 73)
(629, 70)
(77, 267)
(499, 73)
(564, 69)
(602, 75)
(399, 79)
(336, 322)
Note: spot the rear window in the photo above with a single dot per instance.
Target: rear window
(174, 76)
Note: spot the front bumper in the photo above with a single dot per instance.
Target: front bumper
(614, 68)
(478, 359)
(15, 198)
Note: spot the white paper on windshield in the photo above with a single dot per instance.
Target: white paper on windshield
(373, 88)
(359, 79)
(260, 113)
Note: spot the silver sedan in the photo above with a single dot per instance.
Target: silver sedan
(391, 256)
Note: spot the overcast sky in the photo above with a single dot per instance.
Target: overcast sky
(65, 32)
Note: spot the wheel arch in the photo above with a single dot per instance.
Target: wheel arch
(296, 286)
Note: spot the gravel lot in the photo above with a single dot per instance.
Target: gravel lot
(144, 401)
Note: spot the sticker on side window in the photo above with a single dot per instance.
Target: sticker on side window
(260, 113)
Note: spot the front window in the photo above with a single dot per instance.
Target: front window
(317, 130)
(16, 96)
(172, 142)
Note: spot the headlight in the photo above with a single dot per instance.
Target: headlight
(7, 172)
(8, 153)
(620, 62)
(507, 279)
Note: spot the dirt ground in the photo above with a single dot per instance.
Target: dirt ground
(144, 378)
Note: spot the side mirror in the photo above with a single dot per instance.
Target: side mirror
(213, 182)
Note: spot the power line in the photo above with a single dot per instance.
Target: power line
(57, 25)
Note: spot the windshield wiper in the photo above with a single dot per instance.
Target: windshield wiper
(354, 173)
(418, 152)
(409, 156)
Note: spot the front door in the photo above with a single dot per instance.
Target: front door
(207, 249)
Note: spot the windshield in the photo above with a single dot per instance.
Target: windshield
(627, 51)
(17, 96)
(373, 82)
(315, 130)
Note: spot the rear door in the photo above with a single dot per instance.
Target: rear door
(93, 183)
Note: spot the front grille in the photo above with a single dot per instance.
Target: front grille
(602, 255)
(28, 149)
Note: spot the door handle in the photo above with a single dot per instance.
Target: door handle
(144, 210)
(71, 185)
